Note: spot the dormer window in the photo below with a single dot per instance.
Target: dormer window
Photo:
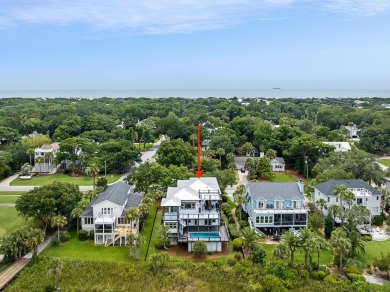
(261, 204)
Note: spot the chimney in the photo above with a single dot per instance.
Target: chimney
(300, 186)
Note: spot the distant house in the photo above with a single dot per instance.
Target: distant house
(46, 154)
(106, 215)
(340, 146)
(278, 164)
(192, 210)
(385, 105)
(240, 161)
(352, 132)
(365, 194)
(275, 207)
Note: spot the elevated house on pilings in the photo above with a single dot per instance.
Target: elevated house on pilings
(192, 210)
(106, 215)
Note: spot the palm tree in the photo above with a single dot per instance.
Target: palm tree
(30, 152)
(49, 156)
(164, 233)
(59, 222)
(55, 270)
(385, 198)
(281, 251)
(249, 237)
(93, 171)
(344, 194)
(76, 213)
(357, 243)
(334, 210)
(319, 244)
(290, 239)
(193, 139)
(39, 160)
(322, 204)
(220, 152)
(131, 239)
(305, 241)
(239, 199)
(37, 237)
(341, 244)
(139, 240)
(133, 215)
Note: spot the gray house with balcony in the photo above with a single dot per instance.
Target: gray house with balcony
(192, 210)
(106, 215)
(365, 194)
(275, 207)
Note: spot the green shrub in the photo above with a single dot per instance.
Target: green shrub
(356, 264)
(237, 256)
(237, 244)
(231, 220)
(102, 182)
(332, 279)
(83, 234)
(244, 224)
(91, 235)
(258, 254)
(304, 274)
(224, 198)
(356, 277)
(231, 261)
(64, 236)
(224, 206)
(352, 270)
(199, 248)
(322, 275)
(159, 243)
(55, 241)
(233, 231)
(378, 220)
(367, 237)
(315, 276)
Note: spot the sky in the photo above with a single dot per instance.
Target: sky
(198, 44)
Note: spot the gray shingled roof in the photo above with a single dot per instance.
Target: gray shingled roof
(271, 190)
(134, 200)
(279, 159)
(327, 188)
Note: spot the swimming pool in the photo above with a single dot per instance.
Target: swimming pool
(204, 235)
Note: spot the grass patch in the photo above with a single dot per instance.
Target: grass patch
(143, 147)
(374, 250)
(8, 199)
(326, 257)
(11, 193)
(385, 162)
(41, 180)
(9, 220)
(86, 250)
(147, 230)
(281, 177)
(152, 249)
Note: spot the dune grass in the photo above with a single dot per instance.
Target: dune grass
(41, 180)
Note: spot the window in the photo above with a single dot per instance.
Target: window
(375, 209)
(264, 219)
(257, 219)
(88, 220)
(337, 199)
(278, 204)
(261, 205)
(377, 198)
(171, 224)
(296, 204)
(107, 210)
(328, 199)
(189, 205)
(261, 219)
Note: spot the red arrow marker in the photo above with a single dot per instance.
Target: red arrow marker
(198, 172)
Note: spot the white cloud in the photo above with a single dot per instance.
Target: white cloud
(150, 16)
(358, 7)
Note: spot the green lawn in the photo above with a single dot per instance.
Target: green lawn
(281, 177)
(143, 147)
(385, 162)
(326, 257)
(152, 249)
(8, 199)
(86, 250)
(41, 180)
(9, 220)
(374, 250)
(11, 193)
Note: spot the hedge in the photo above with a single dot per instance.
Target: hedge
(233, 231)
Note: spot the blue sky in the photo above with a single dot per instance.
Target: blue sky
(162, 44)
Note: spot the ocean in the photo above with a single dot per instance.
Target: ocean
(198, 93)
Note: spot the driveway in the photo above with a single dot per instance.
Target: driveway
(242, 179)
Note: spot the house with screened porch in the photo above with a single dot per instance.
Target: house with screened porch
(106, 215)
(192, 210)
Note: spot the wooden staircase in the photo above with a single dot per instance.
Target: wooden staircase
(112, 241)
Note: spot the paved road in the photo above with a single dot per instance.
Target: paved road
(7, 205)
(384, 168)
(5, 187)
